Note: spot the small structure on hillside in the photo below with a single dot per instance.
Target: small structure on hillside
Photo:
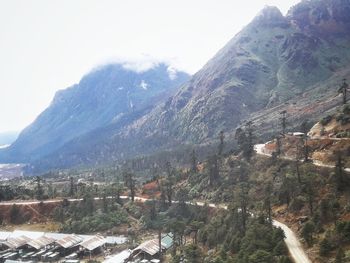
(150, 249)
(41, 242)
(118, 258)
(93, 245)
(29, 234)
(16, 242)
(69, 244)
(298, 134)
(40, 246)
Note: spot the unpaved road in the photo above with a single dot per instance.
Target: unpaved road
(259, 149)
(294, 246)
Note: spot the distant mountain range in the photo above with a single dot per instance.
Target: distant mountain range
(109, 95)
(293, 63)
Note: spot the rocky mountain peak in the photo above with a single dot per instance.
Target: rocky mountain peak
(270, 16)
(323, 16)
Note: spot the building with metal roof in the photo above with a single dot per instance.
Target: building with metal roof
(116, 240)
(4, 235)
(168, 240)
(93, 243)
(41, 242)
(17, 261)
(29, 234)
(151, 247)
(119, 258)
(69, 241)
(16, 242)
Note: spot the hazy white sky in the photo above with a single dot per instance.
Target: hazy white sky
(49, 45)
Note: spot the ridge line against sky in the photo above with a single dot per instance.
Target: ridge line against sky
(49, 45)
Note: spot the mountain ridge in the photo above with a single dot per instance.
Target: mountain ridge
(273, 63)
(101, 97)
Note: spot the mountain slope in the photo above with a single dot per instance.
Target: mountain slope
(101, 98)
(277, 62)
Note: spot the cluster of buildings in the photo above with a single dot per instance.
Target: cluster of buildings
(29, 246)
(146, 252)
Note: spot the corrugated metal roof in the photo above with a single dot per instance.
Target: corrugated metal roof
(151, 247)
(4, 235)
(167, 240)
(41, 242)
(69, 241)
(56, 236)
(30, 234)
(16, 261)
(16, 242)
(93, 243)
(119, 258)
(60, 237)
(116, 240)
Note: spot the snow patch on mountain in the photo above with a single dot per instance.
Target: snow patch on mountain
(144, 85)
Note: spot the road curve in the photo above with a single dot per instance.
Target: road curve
(294, 246)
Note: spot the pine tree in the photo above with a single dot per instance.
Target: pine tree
(283, 121)
(130, 183)
(194, 162)
(343, 90)
(221, 144)
(39, 188)
(72, 187)
(245, 140)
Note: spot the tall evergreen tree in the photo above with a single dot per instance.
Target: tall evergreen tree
(306, 151)
(343, 90)
(221, 144)
(39, 188)
(72, 186)
(194, 168)
(130, 183)
(283, 120)
(213, 169)
(245, 140)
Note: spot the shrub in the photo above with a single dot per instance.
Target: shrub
(343, 119)
(325, 247)
(325, 120)
(307, 232)
(280, 249)
(261, 256)
(296, 204)
(343, 229)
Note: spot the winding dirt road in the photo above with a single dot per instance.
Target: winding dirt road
(259, 149)
(294, 246)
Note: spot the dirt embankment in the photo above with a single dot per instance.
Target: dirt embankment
(29, 213)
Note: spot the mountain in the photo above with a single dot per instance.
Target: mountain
(105, 96)
(294, 63)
